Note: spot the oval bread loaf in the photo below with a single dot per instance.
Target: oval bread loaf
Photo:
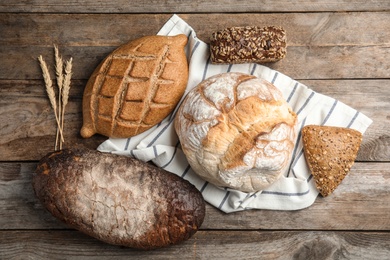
(237, 131)
(135, 87)
(117, 199)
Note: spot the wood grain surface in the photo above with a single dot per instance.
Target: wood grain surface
(204, 245)
(169, 6)
(337, 48)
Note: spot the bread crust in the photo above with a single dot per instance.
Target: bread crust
(117, 199)
(135, 87)
(330, 152)
(248, 44)
(237, 131)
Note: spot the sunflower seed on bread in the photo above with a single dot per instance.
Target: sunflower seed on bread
(248, 44)
(330, 153)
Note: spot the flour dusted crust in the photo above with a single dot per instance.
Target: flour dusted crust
(135, 87)
(237, 131)
(117, 199)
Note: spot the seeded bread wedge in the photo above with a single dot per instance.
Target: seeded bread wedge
(330, 153)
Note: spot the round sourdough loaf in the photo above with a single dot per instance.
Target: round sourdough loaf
(237, 131)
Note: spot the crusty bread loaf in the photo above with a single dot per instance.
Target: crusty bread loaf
(330, 153)
(118, 199)
(237, 131)
(248, 44)
(135, 87)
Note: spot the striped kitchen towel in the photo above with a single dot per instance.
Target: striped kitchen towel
(296, 189)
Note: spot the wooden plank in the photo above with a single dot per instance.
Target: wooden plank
(203, 245)
(171, 6)
(317, 29)
(360, 202)
(29, 124)
(301, 62)
(321, 45)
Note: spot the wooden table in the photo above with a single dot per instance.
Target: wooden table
(339, 48)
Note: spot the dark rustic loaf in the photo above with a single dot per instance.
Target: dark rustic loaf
(117, 199)
(248, 44)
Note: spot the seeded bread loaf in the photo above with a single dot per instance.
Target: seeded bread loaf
(237, 131)
(117, 199)
(248, 44)
(135, 87)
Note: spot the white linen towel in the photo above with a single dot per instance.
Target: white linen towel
(296, 189)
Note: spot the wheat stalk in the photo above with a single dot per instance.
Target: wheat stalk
(66, 88)
(59, 67)
(59, 64)
(50, 93)
(63, 84)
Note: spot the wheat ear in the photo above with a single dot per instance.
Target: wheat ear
(60, 78)
(66, 88)
(50, 92)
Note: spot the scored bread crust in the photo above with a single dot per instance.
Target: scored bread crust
(237, 131)
(135, 87)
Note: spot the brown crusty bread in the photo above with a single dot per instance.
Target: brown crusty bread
(248, 44)
(117, 199)
(237, 131)
(135, 87)
(330, 153)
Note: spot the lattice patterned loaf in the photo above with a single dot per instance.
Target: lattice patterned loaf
(135, 87)
(248, 44)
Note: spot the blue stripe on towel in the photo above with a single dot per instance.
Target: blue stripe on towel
(204, 186)
(185, 171)
(279, 193)
(292, 164)
(253, 69)
(329, 113)
(206, 68)
(224, 199)
(159, 134)
(173, 155)
(127, 143)
(155, 151)
(194, 49)
(275, 76)
(292, 92)
(353, 119)
(306, 102)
